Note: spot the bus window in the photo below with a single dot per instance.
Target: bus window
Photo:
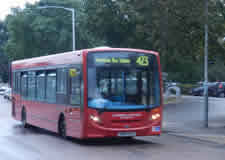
(116, 83)
(62, 81)
(18, 83)
(123, 81)
(131, 82)
(24, 85)
(31, 85)
(14, 82)
(51, 87)
(41, 86)
(104, 83)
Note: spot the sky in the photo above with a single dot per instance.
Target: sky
(5, 6)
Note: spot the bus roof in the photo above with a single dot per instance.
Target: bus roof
(73, 57)
(56, 59)
(121, 49)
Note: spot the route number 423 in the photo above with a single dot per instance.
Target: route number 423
(143, 61)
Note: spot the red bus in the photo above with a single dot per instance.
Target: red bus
(91, 93)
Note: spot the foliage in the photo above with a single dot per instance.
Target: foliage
(3, 57)
(216, 71)
(174, 28)
(35, 32)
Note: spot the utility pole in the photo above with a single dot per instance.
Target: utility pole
(206, 103)
(73, 26)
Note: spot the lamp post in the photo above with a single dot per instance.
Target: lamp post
(206, 65)
(73, 20)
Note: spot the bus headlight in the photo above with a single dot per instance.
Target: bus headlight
(155, 116)
(95, 118)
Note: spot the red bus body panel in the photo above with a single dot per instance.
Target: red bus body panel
(78, 122)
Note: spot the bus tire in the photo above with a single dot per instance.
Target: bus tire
(13, 108)
(62, 127)
(24, 118)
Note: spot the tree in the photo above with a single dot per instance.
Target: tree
(35, 32)
(174, 28)
(3, 57)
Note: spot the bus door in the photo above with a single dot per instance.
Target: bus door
(16, 99)
(75, 88)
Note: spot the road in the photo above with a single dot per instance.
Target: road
(17, 143)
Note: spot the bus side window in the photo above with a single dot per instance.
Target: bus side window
(18, 83)
(14, 82)
(24, 85)
(40, 86)
(61, 81)
(74, 86)
(51, 87)
(61, 93)
(31, 85)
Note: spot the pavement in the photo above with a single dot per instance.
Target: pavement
(17, 143)
(193, 127)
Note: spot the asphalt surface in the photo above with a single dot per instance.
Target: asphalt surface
(17, 143)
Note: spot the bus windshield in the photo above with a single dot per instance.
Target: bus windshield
(123, 81)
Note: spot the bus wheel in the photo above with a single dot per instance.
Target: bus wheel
(13, 109)
(62, 127)
(24, 118)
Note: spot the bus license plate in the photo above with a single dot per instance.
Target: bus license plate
(126, 134)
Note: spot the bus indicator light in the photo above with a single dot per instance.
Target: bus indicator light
(155, 116)
(95, 118)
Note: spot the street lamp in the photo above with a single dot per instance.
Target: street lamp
(73, 20)
(206, 65)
